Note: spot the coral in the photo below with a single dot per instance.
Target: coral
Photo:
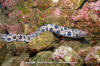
(9, 3)
(91, 55)
(95, 10)
(51, 13)
(14, 14)
(66, 54)
(82, 14)
(95, 5)
(87, 19)
(57, 12)
(26, 16)
(86, 11)
(14, 28)
(11, 28)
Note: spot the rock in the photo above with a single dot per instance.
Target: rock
(8, 62)
(15, 61)
(43, 4)
(55, 1)
(42, 41)
(72, 4)
(65, 54)
(91, 55)
(42, 58)
(16, 48)
(3, 52)
(77, 3)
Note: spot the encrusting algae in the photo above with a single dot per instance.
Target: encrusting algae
(26, 16)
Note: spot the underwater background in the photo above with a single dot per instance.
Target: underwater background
(48, 49)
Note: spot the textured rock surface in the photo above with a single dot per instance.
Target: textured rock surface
(65, 54)
(15, 61)
(3, 51)
(43, 41)
(26, 16)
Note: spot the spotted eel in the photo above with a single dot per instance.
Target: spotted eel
(60, 30)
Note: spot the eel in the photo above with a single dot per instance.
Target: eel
(60, 30)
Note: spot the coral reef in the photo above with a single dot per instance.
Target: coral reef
(95, 10)
(91, 55)
(95, 6)
(14, 28)
(82, 14)
(85, 11)
(66, 54)
(26, 16)
(9, 3)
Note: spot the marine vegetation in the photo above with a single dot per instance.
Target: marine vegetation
(54, 32)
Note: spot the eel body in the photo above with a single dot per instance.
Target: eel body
(60, 30)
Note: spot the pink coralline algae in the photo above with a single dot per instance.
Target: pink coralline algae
(8, 3)
(95, 10)
(57, 12)
(13, 29)
(66, 54)
(2, 27)
(67, 3)
(91, 55)
(14, 14)
(95, 5)
(82, 14)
